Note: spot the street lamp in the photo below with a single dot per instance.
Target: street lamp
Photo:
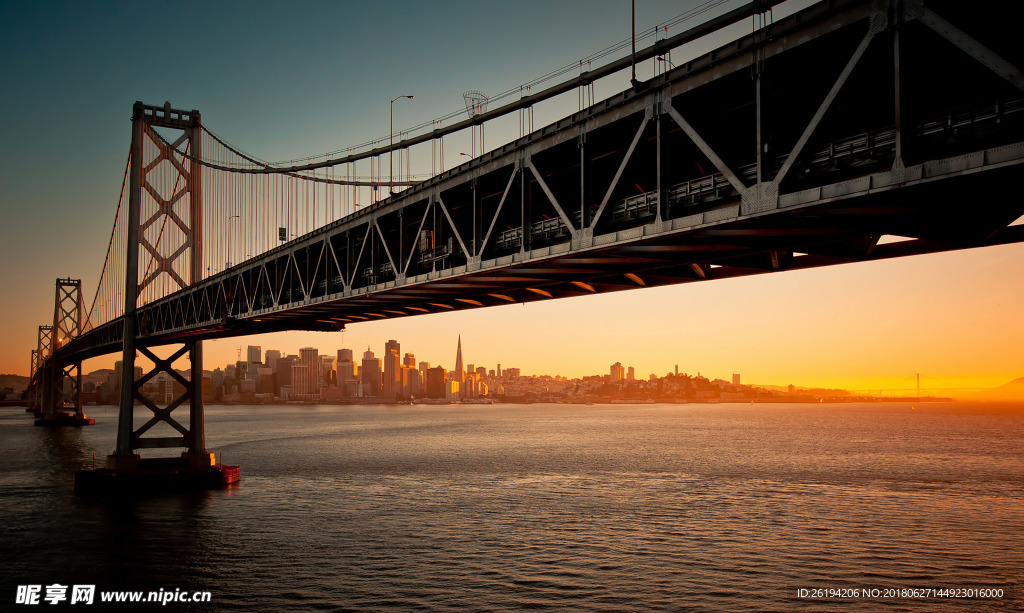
(391, 144)
(669, 62)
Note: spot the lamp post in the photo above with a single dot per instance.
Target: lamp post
(391, 144)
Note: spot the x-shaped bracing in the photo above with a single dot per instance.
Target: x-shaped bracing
(165, 209)
(161, 414)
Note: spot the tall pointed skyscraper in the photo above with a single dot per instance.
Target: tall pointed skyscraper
(459, 375)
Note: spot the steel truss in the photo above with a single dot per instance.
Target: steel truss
(190, 438)
(67, 325)
(799, 145)
(40, 385)
(145, 119)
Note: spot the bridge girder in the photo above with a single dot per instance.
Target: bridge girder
(797, 145)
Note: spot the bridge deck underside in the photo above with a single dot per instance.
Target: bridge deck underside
(791, 148)
(939, 214)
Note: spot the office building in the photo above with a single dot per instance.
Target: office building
(370, 374)
(392, 369)
(435, 382)
(270, 359)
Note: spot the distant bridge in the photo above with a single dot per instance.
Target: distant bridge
(799, 145)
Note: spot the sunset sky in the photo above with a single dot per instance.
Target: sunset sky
(284, 80)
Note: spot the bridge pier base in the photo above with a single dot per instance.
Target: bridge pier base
(62, 398)
(132, 475)
(127, 472)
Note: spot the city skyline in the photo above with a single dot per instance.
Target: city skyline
(313, 377)
(619, 372)
(950, 316)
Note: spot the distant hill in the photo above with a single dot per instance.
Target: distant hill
(17, 382)
(1014, 390)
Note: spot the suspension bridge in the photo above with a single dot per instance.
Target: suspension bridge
(850, 131)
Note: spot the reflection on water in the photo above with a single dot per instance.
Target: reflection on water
(639, 507)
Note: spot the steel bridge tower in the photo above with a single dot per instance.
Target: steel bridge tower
(40, 382)
(67, 324)
(55, 391)
(183, 208)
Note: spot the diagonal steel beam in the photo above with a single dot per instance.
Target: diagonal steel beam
(973, 48)
(264, 276)
(455, 230)
(551, 198)
(181, 139)
(320, 259)
(423, 222)
(622, 168)
(334, 258)
(825, 104)
(284, 279)
(501, 203)
(298, 275)
(359, 258)
(705, 148)
(240, 286)
(387, 251)
(162, 415)
(165, 153)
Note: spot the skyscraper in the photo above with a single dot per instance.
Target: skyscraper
(327, 372)
(435, 384)
(255, 354)
(458, 374)
(300, 381)
(283, 376)
(271, 357)
(392, 369)
(370, 375)
(310, 386)
(347, 379)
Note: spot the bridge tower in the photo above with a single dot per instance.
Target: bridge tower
(31, 391)
(67, 324)
(58, 385)
(40, 382)
(182, 207)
